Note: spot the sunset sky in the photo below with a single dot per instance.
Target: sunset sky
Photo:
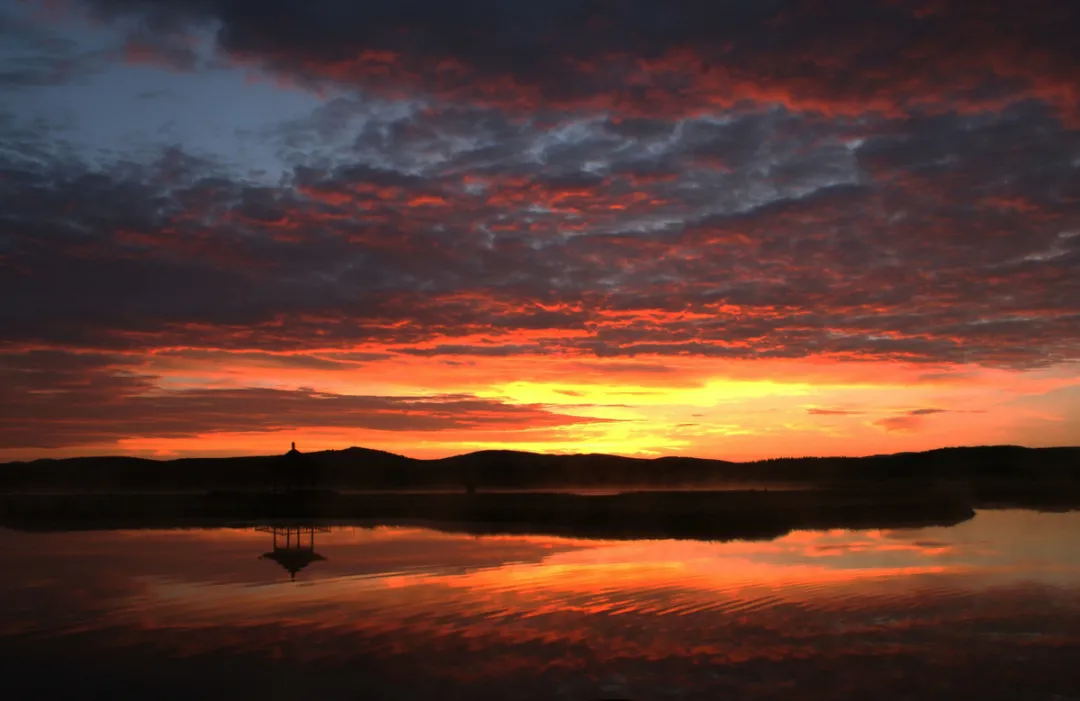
(723, 228)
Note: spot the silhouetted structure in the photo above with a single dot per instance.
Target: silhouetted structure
(293, 472)
(293, 546)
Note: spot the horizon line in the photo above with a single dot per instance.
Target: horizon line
(1001, 446)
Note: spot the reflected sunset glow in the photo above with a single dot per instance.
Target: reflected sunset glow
(558, 609)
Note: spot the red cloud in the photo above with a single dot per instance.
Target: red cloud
(57, 400)
(847, 57)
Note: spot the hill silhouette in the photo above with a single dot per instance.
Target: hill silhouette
(367, 469)
(507, 491)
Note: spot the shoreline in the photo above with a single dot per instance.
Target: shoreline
(726, 515)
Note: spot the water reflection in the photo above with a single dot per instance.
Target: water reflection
(293, 546)
(988, 609)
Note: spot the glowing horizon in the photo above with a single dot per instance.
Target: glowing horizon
(815, 407)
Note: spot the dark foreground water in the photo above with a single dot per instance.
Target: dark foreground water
(989, 609)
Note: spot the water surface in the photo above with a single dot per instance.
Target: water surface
(988, 609)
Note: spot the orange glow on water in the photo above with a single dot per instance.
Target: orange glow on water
(412, 594)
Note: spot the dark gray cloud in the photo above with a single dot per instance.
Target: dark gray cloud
(868, 208)
(655, 56)
(579, 179)
(59, 399)
(940, 239)
(32, 55)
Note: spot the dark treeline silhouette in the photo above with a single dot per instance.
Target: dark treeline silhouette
(364, 469)
(468, 492)
(728, 515)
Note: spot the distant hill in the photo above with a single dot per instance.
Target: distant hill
(362, 468)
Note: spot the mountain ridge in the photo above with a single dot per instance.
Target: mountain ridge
(507, 452)
(366, 468)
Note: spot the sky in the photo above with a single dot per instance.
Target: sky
(725, 228)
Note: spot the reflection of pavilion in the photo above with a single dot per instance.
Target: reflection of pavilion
(294, 546)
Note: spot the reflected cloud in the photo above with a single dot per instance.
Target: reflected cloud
(701, 617)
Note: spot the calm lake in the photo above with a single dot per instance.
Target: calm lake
(988, 609)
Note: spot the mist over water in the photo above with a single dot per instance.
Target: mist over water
(988, 609)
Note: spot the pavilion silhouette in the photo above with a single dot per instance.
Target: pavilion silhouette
(292, 472)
